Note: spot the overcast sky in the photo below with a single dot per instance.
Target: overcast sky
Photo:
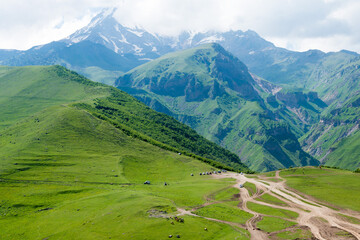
(329, 25)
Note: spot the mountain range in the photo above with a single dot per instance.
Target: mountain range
(264, 103)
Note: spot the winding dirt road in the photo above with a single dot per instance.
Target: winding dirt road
(323, 222)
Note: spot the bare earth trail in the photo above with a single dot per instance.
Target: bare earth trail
(308, 210)
(322, 221)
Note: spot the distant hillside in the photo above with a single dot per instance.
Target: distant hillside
(27, 90)
(336, 77)
(335, 140)
(85, 57)
(213, 92)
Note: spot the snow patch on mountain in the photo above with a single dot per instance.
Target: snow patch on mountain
(116, 48)
(137, 33)
(79, 39)
(123, 39)
(212, 39)
(117, 28)
(103, 37)
(138, 50)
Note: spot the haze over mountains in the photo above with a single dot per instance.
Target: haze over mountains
(262, 115)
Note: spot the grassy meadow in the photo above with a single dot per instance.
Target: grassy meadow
(334, 186)
(74, 180)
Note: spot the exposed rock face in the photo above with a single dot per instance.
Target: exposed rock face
(235, 74)
(293, 99)
(297, 99)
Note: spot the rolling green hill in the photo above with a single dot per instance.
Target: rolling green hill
(75, 154)
(27, 90)
(212, 91)
(67, 174)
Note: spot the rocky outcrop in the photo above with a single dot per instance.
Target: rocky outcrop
(298, 98)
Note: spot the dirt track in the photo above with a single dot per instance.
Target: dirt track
(322, 221)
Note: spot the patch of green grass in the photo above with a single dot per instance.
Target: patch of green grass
(273, 224)
(224, 212)
(272, 211)
(350, 219)
(295, 234)
(232, 203)
(227, 194)
(305, 171)
(250, 187)
(346, 234)
(337, 187)
(271, 199)
(251, 176)
(270, 174)
(274, 179)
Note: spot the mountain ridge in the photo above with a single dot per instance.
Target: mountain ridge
(234, 115)
(330, 76)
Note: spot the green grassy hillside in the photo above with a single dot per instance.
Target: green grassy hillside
(27, 90)
(335, 77)
(74, 157)
(212, 91)
(65, 174)
(335, 139)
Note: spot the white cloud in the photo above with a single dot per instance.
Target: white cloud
(24, 23)
(329, 25)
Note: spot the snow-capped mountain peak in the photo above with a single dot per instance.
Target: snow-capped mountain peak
(104, 29)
